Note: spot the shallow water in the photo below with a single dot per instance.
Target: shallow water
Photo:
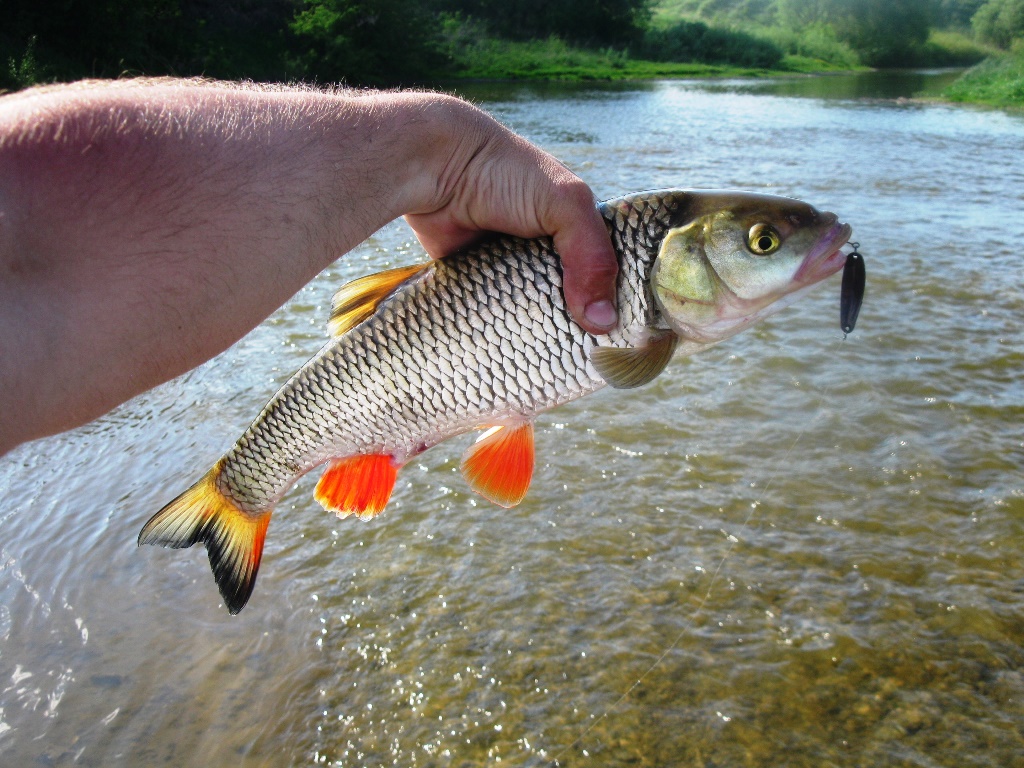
(789, 550)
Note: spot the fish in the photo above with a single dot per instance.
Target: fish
(482, 340)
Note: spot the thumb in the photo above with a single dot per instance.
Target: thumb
(589, 263)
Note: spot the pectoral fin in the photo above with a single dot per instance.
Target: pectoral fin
(357, 300)
(625, 368)
(499, 465)
(357, 485)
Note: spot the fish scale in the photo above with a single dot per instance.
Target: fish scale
(373, 395)
(482, 339)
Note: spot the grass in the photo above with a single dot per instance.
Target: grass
(808, 65)
(998, 81)
(553, 59)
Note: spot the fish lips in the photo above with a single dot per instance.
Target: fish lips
(825, 258)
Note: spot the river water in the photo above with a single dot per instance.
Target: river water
(792, 549)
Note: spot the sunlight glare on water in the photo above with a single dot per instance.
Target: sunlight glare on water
(788, 550)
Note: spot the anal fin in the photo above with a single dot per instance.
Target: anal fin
(357, 485)
(499, 465)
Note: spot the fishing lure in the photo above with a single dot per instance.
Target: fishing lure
(851, 295)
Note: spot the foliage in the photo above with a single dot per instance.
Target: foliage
(488, 58)
(880, 33)
(1000, 22)
(21, 71)
(69, 33)
(956, 14)
(999, 80)
(83, 38)
(413, 41)
(696, 41)
(817, 42)
(588, 22)
(953, 49)
(367, 41)
(883, 32)
(801, 14)
(721, 12)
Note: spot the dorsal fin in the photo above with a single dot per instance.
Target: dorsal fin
(625, 368)
(357, 300)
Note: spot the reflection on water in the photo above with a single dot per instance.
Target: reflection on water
(874, 86)
(790, 550)
(909, 84)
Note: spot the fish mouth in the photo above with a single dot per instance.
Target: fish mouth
(825, 258)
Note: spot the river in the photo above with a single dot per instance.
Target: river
(792, 549)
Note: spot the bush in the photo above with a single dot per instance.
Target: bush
(696, 41)
(592, 23)
(818, 42)
(883, 32)
(953, 49)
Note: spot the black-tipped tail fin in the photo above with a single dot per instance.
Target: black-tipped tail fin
(233, 538)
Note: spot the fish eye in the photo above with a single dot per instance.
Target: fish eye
(763, 239)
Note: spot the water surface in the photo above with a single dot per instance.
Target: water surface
(790, 550)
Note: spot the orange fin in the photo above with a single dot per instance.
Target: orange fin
(625, 368)
(357, 300)
(499, 465)
(233, 538)
(358, 485)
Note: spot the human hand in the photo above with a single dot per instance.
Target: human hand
(151, 224)
(494, 180)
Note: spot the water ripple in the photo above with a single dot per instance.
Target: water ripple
(792, 549)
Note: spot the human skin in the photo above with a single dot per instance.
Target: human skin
(145, 226)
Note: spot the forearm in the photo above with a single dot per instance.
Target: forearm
(195, 211)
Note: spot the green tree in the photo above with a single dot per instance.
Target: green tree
(799, 14)
(1000, 22)
(884, 33)
(107, 38)
(737, 11)
(957, 13)
(589, 22)
(78, 37)
(696, 41)
(367, 41)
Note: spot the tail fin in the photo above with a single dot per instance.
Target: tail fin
(233, 538)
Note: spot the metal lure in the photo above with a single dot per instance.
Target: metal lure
(851, 295)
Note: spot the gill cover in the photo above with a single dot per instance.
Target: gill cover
(682, 267)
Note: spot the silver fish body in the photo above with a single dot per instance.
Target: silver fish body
(483, 339)
(478, 339)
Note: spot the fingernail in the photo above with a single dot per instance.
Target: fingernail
(601, 313)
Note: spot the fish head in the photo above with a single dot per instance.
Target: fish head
(740, 257)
